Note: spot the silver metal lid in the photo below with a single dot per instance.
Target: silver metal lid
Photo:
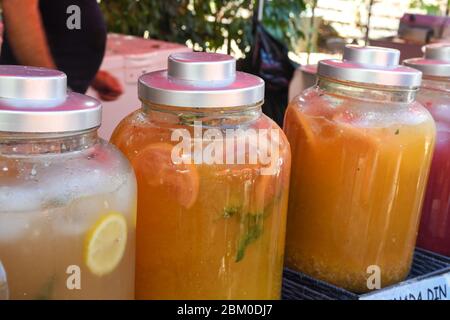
(370, 65)
(35, 100)
(203, 80)
(435, 63)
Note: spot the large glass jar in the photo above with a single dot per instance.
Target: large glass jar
(211, 217)
(67, 198)
(4, 289)
(361, 150)
(434, 94)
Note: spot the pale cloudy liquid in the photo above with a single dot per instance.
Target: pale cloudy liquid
(45, 219)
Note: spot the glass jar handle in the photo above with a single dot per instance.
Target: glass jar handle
(4, 290)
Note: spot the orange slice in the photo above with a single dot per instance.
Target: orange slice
(154, 165)
(361, 140)
(270, 184)
(297, 126)
(365, 149)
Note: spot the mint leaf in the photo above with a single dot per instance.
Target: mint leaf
(254, 229)
(229, 212)
(189, 118)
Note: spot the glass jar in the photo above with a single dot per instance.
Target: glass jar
(4, 289)
(434, 94)
(211, 214)
(67, 198)
(361, 150)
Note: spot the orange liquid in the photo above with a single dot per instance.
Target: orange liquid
(204, 231)
(356, 191)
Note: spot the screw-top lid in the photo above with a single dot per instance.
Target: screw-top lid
(35, 100)
(198, 79)
(435, 63)
(370, 65)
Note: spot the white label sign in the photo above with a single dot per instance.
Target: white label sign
(434, 288)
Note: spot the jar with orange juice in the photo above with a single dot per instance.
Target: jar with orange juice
(362, 148)
(213, 178)
(434, 94)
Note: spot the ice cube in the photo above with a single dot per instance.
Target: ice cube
(80, 214)
(15, 225)
(123, 200)
(20, 199)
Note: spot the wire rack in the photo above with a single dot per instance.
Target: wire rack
(299, 286)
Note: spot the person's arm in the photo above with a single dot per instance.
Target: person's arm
(107, 86)
(26, 33)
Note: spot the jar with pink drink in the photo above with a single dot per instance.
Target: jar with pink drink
(434, 232)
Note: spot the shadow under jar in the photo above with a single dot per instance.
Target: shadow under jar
(211, 221)
(434, 94)
(67, 198)
(361, 149)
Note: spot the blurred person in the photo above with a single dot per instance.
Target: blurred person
(59, 34)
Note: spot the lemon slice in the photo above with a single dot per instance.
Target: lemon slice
(105, 244)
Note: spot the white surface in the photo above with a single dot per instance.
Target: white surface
(297, 85)
(303, 80)
(304, 77)
(127, 58)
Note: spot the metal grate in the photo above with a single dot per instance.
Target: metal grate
(299, 286)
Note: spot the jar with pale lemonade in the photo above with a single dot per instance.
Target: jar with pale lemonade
(362, 148)
(67, 198)
(4, 289)
(434, 94)
(213, 178)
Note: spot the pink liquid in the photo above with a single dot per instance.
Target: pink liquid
(434, 232)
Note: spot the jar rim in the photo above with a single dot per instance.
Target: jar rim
(369, 86)
(202, 80)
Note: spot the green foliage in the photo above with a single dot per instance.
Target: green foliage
(429, 8)
(282, 19)
(207, 25)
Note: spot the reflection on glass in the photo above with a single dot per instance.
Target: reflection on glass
(4, 292)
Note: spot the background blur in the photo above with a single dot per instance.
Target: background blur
(303, 25)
